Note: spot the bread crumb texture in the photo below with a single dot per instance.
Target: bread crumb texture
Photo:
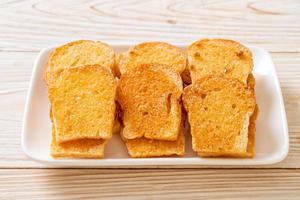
(251, 133)
(219, 57)
(83, 103)
(219, 110)
(143, 147)
(81, 148)
(153, 53)
(79, 53)
(150, 101)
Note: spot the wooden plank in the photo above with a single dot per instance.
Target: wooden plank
(149, 184)
(270, 24)
(14, 79)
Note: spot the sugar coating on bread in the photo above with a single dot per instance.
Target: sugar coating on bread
(83, 103)
(78, 53)
(153, 53)
(219, 110)
(143, 147)
(150, 101)
(219, 57)
(81, 148)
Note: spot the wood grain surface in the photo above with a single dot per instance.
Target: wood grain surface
(26, 27)
(149, 184)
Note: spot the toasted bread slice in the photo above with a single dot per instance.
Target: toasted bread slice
(153, 53)
(219, 57)
(251, 133)
(251, 139)
(81, 148)
(149, 98)
(83, 103)
(252, 125)
(219, 110)
(143, 147)
(116, 126)
(79, 53)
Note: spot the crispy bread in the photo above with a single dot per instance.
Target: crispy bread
(81, 148)
(79, 53)
(251, 133)
(143, 147)
(219, 110)
(116, 126)
(219, 57)
(153, 53)
(83, 103)
(149, 98)
(251, 138)
(252, 125)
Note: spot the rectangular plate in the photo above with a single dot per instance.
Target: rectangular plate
(272, 140)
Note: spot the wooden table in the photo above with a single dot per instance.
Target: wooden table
(28, 26)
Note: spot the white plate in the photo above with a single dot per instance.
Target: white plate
(272, 141)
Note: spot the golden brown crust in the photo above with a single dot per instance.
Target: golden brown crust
(251, 133)
(252, 125)
(149, 98)
(153, 53)
(186, 76)
(219, 110)
(144, 148)
(219, 57)
(251, 129)
(251, 141)
(83, 103)
(251, 81)
(78, 53)
(82, 148)
(221, 107)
